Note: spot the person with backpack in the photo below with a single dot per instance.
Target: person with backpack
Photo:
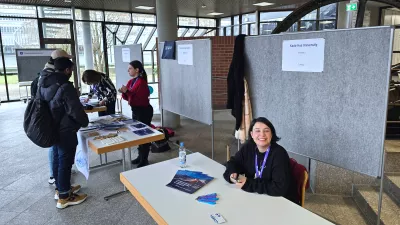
(48, 68)
(137, 93)
(68, 116)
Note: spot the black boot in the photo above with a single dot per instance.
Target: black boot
(143, 156)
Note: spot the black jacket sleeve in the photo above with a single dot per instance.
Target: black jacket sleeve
(73, 107)
(280, 180)
(34, 87)
(235, 165)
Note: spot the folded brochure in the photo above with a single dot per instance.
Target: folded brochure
(189, 181)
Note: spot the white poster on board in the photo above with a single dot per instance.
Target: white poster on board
(126, 55)
(305, 55)
(185, 54)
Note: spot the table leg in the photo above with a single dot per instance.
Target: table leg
(105, 157)
(101, 160)
(130, 157)
(123, 169)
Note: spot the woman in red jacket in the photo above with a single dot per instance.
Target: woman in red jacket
(137, 93)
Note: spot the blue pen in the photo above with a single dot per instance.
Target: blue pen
(208, 199)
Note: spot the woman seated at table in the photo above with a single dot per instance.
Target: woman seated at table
(103, 87)
(262, 165)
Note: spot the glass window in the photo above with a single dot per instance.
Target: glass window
(293, 28)
(207, 22)
(17, 10)
(190, 32)
(53, 12)
(145, 35)
(97, 47)
(112, 27)
(3, 91)
(244, 29)
(181, 31)
(144, 18)
(253, 29)
(236, 20)
(133, 35)
(328, 12)
(225, 22)
(249, 18)
(56, 30)
(267, 28)
(327, 24)
(308, 25)
(210, 33)
(81, 14)
(236, 30)
(311, 16)
(200, 32)
(118, 17)
(25, 34)
(274, 16)
(122, 32)
(152, 42)
(187, 21)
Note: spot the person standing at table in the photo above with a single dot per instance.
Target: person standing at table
(48, 69)
(69, 116)
(264, 164)
(102, 86)
(137, 93)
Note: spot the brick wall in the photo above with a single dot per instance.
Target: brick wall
(222, 51)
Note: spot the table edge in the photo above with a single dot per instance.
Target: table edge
(153, 213)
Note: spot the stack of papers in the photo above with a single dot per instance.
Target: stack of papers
(189, 181)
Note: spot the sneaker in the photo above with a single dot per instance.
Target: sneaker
(73, 199)
(74, 190)
(52, 180)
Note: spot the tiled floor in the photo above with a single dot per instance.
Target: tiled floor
(26, 197)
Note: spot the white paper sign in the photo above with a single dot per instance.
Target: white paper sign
(306, 55)
(82, 155)
(185, 54)
(126, 55)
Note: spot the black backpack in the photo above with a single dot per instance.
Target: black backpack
(39, 125)
(161, 145)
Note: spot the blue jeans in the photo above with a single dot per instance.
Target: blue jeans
(51, 161)
(63, 157)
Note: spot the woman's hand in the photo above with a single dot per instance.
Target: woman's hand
(102, 103)
(233, 177)
(123, 89)
(241, 182)
(86, 100)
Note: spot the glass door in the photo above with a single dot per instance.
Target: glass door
(59, 33)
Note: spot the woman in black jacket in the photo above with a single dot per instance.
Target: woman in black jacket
(262, 165)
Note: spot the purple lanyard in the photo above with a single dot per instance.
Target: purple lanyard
(259, 172)
(133, 83)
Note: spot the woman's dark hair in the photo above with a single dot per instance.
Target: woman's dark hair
(266, 122)
(138, 65)
(91, 77)
(51, 61)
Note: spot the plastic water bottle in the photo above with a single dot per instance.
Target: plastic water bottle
(182, 155)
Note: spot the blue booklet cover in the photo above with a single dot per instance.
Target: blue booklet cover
(189, 181)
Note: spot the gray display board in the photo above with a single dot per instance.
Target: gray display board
(123, 55)
(30, 62)
(337, 116)
(186, 89)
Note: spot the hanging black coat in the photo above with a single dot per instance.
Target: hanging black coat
(235, 81)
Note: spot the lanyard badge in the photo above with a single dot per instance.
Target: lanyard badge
(260, 171)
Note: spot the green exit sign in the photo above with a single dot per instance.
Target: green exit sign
(351, 7)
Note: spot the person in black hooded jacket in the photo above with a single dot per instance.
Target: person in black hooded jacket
(68, 114)
(264, 164)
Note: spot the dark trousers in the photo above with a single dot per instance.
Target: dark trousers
(110, 109)
(63, 158)
(144, 115)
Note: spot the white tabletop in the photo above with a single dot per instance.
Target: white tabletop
(130, 139)
(170, 206)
